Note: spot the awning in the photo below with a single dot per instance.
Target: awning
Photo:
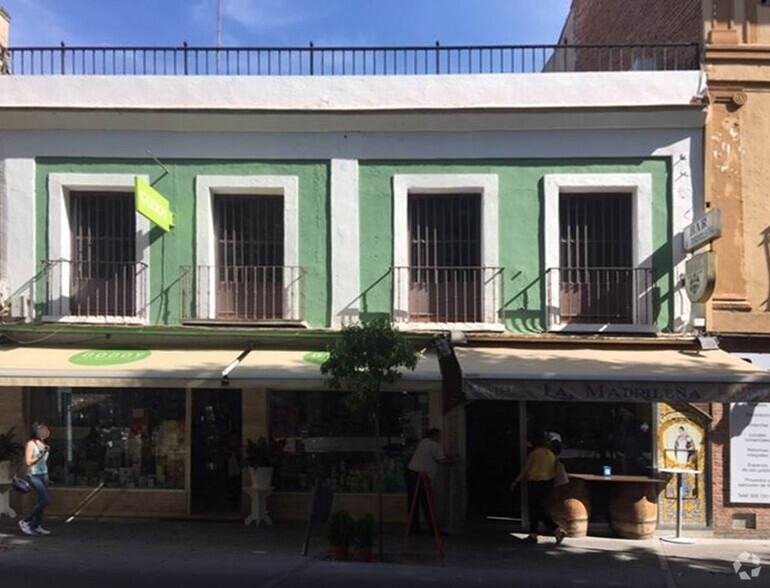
(196, 368)
(589, 374)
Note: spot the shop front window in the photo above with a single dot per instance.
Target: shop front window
(130, 438)
(323, 439)
(594, 435)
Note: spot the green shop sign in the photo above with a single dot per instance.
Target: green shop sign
(105, 357)
(317, 357)
(152, 205)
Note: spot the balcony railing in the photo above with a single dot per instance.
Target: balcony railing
(242, 294)
(85, 290)
(335, 61)
(599, 296)
(448, 295)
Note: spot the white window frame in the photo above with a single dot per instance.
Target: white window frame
(639, 187)
(206, 188)
(486, 185)
(60, 185)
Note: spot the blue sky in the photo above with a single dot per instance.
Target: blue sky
(285, 22)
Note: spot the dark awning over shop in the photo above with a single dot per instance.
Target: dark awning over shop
(601, 374)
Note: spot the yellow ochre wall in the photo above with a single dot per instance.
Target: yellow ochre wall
(738, 161)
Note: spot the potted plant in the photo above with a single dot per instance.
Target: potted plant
(260, 463)
(339, 532)
(364, 539)
(9, 449)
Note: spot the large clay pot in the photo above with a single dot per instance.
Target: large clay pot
(634, 509)
(570, 507)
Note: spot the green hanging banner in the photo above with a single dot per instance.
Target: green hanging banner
(151, 204)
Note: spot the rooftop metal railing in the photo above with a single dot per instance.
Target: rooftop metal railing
(335, 61)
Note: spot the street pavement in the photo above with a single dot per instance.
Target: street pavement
(146, 554)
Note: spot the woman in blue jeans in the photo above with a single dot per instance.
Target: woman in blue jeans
(36, 458)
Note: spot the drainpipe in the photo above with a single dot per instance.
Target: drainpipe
(5, 36)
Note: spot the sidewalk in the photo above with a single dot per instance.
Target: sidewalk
(153, 553)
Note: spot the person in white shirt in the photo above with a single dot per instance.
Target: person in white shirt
(427, 457)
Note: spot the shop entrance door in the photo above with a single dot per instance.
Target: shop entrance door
(215, 481)
(493, 458)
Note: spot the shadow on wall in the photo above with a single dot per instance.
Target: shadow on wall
(366, 313)
(523, 318)
(765, 244)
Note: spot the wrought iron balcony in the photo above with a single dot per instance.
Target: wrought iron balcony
(96, 291)
(335, 61)
(242, 294)
(448, 295)
(599, 296)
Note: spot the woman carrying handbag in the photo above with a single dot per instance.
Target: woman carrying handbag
(36, 458)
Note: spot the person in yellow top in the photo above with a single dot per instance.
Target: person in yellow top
(539, 471)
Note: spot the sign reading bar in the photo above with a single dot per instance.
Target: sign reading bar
(152, 205)
(704, 230)
(700, 276)
(750, 452)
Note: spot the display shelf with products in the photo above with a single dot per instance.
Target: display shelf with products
(325, 440)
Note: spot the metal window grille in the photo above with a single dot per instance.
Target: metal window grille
(250, 273)
(597, 278)
(446, 277)
(103, 271)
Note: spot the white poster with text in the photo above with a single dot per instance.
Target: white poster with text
(750, 452)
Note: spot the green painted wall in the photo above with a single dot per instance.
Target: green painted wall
(177, 248)
(521, 230)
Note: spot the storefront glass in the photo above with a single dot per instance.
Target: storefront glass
(323, 438)
(132, 438)
(595, 435)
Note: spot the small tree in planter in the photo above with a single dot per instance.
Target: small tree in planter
(339, 532)
(364, 538)
(365, 358)
(9, 450)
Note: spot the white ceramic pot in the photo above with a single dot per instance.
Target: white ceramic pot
(261, 478)
(5, 471)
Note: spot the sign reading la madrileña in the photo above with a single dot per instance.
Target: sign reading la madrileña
(151, 204)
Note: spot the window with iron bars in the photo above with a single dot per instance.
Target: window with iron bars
(445, 273)
(103, 269)
(250, 252)
(597, 277)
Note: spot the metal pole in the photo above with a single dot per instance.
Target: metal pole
(219, 24)
(679, 505)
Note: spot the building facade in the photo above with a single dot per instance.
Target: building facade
(308, 194)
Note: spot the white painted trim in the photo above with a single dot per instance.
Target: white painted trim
(600, 328)
(638, 187)
(590, 90)
(486, 185)
(206, 187)
(60, 239)
(345, 254)
(418, 327)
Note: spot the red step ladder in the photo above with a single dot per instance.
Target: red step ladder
(424, 482)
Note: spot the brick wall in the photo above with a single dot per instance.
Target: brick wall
(637, 21)
(723, 511)
(602, 22)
